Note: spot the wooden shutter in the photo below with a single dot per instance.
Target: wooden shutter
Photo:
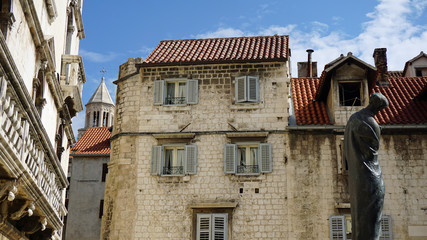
(159, 87)
(192, 91)
(190, 159)
(265, 158)
(156, 159)
(337, 228)
(240, 86)
(220, 226)
(230, 155)
(203, 227)
(253, 89)
(386, 232)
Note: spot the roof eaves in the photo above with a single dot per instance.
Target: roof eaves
(186, 63)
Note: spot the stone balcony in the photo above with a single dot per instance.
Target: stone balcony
(31, 181)
(71, 81)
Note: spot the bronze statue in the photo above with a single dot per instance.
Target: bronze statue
(361, 143)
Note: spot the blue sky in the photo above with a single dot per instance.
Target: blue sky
(116, 31)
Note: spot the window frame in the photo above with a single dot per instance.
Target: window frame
(189, 163)
(191, 91)
(338, 227)
(340, 83)
(231, 161)
(212, 225)
(247, 89)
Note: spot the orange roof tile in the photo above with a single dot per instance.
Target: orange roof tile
(213, 50)
(395, 73)
(404, 107)
(94, 141)
(307, 111)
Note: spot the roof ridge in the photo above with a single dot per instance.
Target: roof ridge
(221, 38)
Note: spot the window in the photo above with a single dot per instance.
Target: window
(175, 92)
(101, 208)
(248, 159)
(349, 93)
(104, 172)
(212, 226)
(247, 89)
(340, 227)
(421, 72)
(174, 160)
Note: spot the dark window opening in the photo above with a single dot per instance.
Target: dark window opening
(350, 94)
(101, 208)
(418, 72)
(104, 171)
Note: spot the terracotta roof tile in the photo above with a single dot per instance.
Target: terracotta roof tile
(239, 49)
(404, 106)
(94, 141)
(395, 73)
(406, 95)
(307, 111)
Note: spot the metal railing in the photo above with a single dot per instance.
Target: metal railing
(174, 100)
(247, 169)
(176, 170)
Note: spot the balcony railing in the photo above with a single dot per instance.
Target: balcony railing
(176, 170)
(247, 169)
(174, 100)
(16, 135)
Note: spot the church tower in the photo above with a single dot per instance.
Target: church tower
(99, 109)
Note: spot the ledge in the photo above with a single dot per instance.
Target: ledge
(246, 134)
(214, 205)
(341, 205)
(174, 136)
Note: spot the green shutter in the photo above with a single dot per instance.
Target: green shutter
(159, 87)
(240, 88)
(386, 232)
(253, 89)
(220, 226)
(265, 158)
(191, 159)
(230, 155)
(203, 227)
(192, 91)
(337, 228)
(156, 159)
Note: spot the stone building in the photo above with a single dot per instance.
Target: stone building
(88, 162)
(322, 106)
(214, 140)
(198, 145)
(41, 80)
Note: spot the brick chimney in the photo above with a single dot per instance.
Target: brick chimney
(380, 58)
(309, 68)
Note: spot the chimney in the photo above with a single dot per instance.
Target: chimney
(309, 68)
(380, 59)
(309, 63)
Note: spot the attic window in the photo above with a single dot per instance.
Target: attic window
(421, 72)
(350, 93)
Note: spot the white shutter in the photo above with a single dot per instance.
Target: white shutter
(156, 159)
(253, 89)
(159, 88)
(220, 226)
(191, 159)
(230, 155)
(337, 228)
(203, 227)
(192, 91)
(2, 88)
(265, 158)
(240, 87)
(386, 232)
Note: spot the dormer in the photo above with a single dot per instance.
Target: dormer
(344, 86)
(416, 67)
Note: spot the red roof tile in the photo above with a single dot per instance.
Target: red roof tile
(94, 141)
(406, 96)
(404, 107)
(395, 73)
(307, 111)
(239, 49)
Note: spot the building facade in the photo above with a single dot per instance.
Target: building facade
(41, 83)
(89, 158)
(213, 139)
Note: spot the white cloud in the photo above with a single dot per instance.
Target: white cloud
(391, 25)
(98, 57)
(224, 32)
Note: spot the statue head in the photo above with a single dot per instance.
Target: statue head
(377, 102)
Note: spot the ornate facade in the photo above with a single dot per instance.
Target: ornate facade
(41, 80)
